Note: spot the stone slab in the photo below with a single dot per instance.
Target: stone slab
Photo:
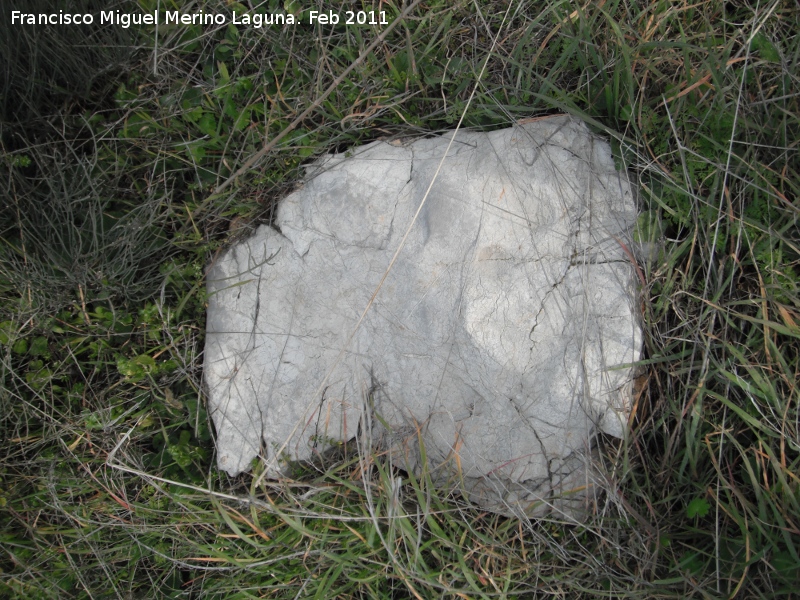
(501, 339)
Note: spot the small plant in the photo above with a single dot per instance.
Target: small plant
(697, 508)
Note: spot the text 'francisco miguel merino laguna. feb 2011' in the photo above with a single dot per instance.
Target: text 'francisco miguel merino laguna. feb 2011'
(174, 17)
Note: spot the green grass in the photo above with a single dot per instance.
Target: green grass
(118, 190)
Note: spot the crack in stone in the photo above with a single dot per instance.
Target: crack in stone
(576, 263)
(315, 438)
(544, 301)
(546, 458)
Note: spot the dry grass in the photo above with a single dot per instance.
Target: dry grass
(108, 486)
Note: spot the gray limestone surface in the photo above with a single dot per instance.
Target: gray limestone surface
(500, 341)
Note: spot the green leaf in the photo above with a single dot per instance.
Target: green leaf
(148, 362)
(765, 48)
(38, 346)
(242, 120)
(648, 227)
(698, 507)
(223, 72)
(6, 332)
(137, 368)
(293, 7)
(196, 151)
(208, 124)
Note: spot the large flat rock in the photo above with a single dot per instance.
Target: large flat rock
(501, 339)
